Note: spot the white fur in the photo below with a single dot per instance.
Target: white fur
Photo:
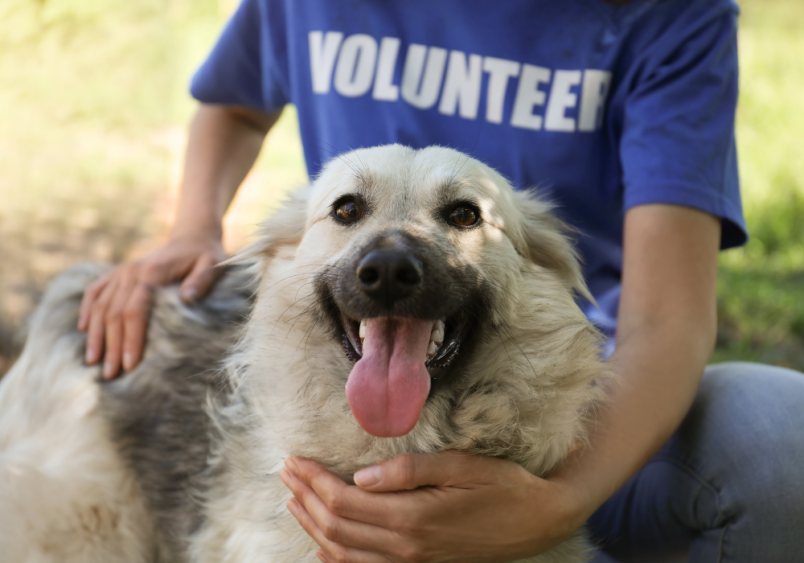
(65, 495)
(539, 373)
(526, 396)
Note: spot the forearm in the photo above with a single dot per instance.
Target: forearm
(665, 337)
(659, 369)
(224, 142)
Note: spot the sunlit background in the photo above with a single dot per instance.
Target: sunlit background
(93, 111)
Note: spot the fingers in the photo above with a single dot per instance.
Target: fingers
(114, 323)
(95, 326)
(331, 552)
(342, 539)
(91, 295)
(412, 471)
(116, 310)
(135, 321)
(349, 501)
(472, 495)
(200, 279)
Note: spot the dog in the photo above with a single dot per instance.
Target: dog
(407, 301)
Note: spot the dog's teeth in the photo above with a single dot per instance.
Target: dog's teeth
(438, 332)
(431, 349)
(362, 328)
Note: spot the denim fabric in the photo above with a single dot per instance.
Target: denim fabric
(727, 487)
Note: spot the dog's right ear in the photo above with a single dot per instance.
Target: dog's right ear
(547, 241)
(285, 226)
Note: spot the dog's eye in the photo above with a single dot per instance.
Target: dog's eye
(463, 216)
(348, 211)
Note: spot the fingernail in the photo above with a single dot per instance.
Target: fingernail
(292, 506)
(290, 464)
(128, 359)
(286, 477)
(190, 294)
(108, 370)
(369, 476)
(322, 557)
(90, 356)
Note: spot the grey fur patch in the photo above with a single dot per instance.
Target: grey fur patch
(158, 412)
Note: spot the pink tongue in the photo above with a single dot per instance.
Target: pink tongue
(389, 384)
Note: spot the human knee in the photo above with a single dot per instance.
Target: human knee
(751, 417)
(753, 392)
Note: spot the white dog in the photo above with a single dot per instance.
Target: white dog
(407, 301)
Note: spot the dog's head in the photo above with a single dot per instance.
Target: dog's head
(413, 254)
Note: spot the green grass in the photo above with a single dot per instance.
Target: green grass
(94, 106)
(761, 302)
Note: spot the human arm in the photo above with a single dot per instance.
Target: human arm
(482, 509)
(224, 142)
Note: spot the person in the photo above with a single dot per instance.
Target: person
(624, 114)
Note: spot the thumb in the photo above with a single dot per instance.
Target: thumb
(411, 471)
(200, 279)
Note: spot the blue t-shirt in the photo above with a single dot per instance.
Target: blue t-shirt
(601, 107)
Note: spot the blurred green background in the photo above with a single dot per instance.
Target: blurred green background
(93, 110)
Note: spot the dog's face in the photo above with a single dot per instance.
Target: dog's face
(415, 254)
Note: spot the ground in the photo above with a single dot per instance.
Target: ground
(93, 111)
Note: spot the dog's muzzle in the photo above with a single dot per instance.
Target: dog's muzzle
(403, 313)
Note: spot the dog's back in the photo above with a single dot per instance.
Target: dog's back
(94, 471)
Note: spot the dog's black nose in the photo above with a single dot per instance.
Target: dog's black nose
(389, 275)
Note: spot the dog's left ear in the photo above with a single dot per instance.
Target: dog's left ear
(285, 226)
(547, 241)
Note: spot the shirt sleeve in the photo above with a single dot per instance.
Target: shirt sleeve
(247, 65)
(678, 144)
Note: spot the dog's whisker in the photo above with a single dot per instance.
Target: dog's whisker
(313, 266)
(302, 286)
(507, 353)
(306, 311)
(289, 307)
(507, 330)
(306, 339)
(310, 309)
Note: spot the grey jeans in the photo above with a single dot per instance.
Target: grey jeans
(727, 487)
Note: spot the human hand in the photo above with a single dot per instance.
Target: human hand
(115, 308)
(444, 507)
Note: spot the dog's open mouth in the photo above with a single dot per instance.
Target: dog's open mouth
(395, 357)
(442, 348)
